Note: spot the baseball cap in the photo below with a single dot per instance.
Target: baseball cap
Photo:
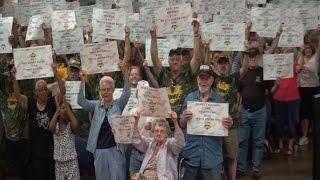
(73, 62)
(205, 70)
(175, 52)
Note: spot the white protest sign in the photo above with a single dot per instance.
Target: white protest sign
(123, 128)
(139, 31)
(100, 57)
(5, 32)
(292, 35)
(205, 9)
(184, 39)
(148, 14)
(228, 37)
(126, 5)
(26, 11)
(207, 118)
(153, 102)
(164, 47)
(231, 15)
(118, 91)
(173, 19)
(308, 15)
(84, 15)
(277, 66)
(35, 31)
(72, 91)
(132, 102)
(33, 62)
(265, 21)
(67, 41)
(63, 20)
(153, 3)
(108, 23)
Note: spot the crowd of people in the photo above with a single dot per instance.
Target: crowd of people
(44, 138)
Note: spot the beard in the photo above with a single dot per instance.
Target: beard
(204, 89)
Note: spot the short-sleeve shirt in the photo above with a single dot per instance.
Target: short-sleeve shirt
(253, 89)
(178, 88)
(227, 87)
(40, 137)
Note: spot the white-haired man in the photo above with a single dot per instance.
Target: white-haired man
(109, 157)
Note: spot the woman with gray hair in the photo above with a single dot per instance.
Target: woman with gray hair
(160, 161)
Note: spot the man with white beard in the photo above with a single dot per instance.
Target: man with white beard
(202, 154)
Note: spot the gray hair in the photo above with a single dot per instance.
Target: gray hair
(162, 122)
(107, 79)
(36, 87)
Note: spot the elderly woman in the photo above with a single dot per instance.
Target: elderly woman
(160, 161)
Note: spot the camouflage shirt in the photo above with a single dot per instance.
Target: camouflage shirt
(227, 87)
(13, 117)
(177, 88)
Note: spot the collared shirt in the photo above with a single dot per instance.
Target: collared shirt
(99, 112)
(202, 151)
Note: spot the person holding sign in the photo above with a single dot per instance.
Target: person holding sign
(309, 85)
(109, 157)
(253, 118)
(202, 154)
(177, 80)
(160, 161)
(286, 106)
(133, 61)
(41, 110)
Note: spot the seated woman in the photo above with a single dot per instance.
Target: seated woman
(160, 161)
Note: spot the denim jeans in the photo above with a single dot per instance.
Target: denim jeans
(255, 123)
(198, 173)
(110, 164)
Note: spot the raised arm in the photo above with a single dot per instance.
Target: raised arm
(21, 37)
(22, 99)
(57, 76)
(151, 79)
(86, 104)
(244, 66)
(72, 118)
(138, 142)
(196, 58)
(275, 41)
(125, 94)
(176, 143)
(47, 34)
(154, 51)
(205, 52)
(54, 120)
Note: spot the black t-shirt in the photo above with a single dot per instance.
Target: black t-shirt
(253, 89)
(105, 138)
(40, 137)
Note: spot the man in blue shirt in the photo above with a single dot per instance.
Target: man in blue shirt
(202, 154)
(109, 156)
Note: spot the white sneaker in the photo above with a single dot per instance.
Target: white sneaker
(303, 141)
